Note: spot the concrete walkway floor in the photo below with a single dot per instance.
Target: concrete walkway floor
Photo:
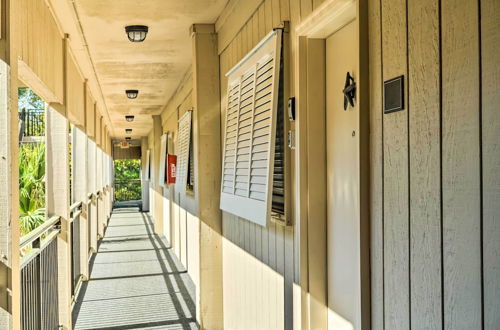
(136, 282)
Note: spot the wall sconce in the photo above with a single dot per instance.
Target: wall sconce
(136, 33)
(129, 118)
(132, 93)
(128, 130)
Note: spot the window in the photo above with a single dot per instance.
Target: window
(184, 147)
(253, 177)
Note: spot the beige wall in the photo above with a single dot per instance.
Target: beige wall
(434, 223)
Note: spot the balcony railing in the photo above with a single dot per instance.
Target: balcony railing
(39, 263)
(76, 274)
(32, 123)
(39, 275)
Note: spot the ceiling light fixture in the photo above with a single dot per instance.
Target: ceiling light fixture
(128, 130)
(132, 93)
(129, 118)
(136, 33)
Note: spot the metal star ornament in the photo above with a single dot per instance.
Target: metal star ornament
(349, 91)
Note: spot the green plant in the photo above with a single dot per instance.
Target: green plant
(127, 179)
(31, 186)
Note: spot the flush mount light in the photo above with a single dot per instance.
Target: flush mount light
(129, 118)
(136, 33)
(132, 93)
(128, 138)
(128, 130)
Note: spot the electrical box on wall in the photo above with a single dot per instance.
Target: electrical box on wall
(394, 95)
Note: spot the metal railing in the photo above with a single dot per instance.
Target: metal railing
(76, 274)
(32, 122)
(39, 264)
(39, 276)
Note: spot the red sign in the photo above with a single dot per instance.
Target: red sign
(170, 169)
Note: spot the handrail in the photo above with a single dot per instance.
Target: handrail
(75, 206)
(35, 234)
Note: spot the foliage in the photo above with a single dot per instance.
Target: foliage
(127, 179)
(31, 186)
(29, 100)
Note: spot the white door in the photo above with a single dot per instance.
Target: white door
(343, 182)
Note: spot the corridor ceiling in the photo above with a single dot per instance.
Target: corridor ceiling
(155, 67)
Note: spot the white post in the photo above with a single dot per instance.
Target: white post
(57, 179)
(79, 180)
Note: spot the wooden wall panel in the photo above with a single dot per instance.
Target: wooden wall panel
(376, 173)
(128, 153)
(453, 167)
(75, 92)
(490, 50)
(425, 174)
(98, 125)
(40, 46)
(395, 139)
(253, 254)
(90, 113)
(461, 165)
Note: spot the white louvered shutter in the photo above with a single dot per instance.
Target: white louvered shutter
(147, 167)
(250, 129)
(183, 141)
(163, 160)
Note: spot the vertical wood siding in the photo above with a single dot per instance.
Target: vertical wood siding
(490, 74)
(435, 165)
(41, 45)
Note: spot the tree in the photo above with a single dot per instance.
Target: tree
(127, 179)
(29, 100)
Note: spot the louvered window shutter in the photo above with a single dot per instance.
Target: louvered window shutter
(250, 132)
(147, 167)
(184, 142)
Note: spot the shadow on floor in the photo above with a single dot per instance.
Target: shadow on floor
(136, 281)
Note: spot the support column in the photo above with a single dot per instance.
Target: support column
(57, 180)
(99, 187)
(144, 183)
(79, 181)
(157, 189)
(207, 137)
(9, 174)
(91, 189)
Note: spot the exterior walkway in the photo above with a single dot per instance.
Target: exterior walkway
(136, 282)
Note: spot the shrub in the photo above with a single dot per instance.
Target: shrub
(31, 186)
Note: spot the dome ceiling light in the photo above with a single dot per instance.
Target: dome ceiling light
(129, 118)
(136, 33)
(128, 130)
(132, 93)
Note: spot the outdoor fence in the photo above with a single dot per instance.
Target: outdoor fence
(39, 264)
(39, 274)
(76, 274)
(32, 122)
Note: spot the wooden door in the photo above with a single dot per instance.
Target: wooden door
(343, 205)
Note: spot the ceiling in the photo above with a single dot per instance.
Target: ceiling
(154, 67)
